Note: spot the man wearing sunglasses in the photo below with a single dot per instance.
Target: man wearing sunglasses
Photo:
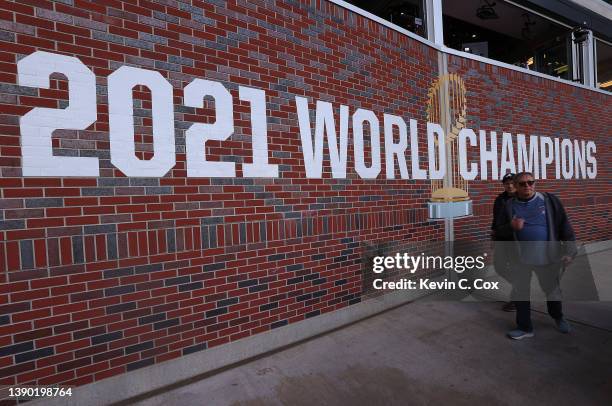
(501, 258)
(543, 243)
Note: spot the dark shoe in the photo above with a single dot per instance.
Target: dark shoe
(562, 325)
(509, 307)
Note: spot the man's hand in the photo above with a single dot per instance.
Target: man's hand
(517, 223)
(566, 260)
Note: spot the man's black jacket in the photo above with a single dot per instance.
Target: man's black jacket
(498, 211)
(559, 227)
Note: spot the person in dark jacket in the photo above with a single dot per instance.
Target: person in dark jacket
(544, 241)
(501, 262)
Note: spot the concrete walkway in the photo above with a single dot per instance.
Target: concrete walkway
(425, 353)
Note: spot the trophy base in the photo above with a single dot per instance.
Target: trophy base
(446, 210)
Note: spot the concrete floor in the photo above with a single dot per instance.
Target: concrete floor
(422, 353)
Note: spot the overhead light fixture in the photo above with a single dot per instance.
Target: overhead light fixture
(487, 11)
(526, 30)
(606, 84)
(581, 34)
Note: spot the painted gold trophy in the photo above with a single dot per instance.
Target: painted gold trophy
(447, 106)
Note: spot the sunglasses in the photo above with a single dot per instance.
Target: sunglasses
(526, 182)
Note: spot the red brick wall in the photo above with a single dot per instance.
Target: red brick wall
(105, 275)
(499, 100)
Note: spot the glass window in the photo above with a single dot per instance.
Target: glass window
(408, 14)
(603, 51)
(504, 32)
